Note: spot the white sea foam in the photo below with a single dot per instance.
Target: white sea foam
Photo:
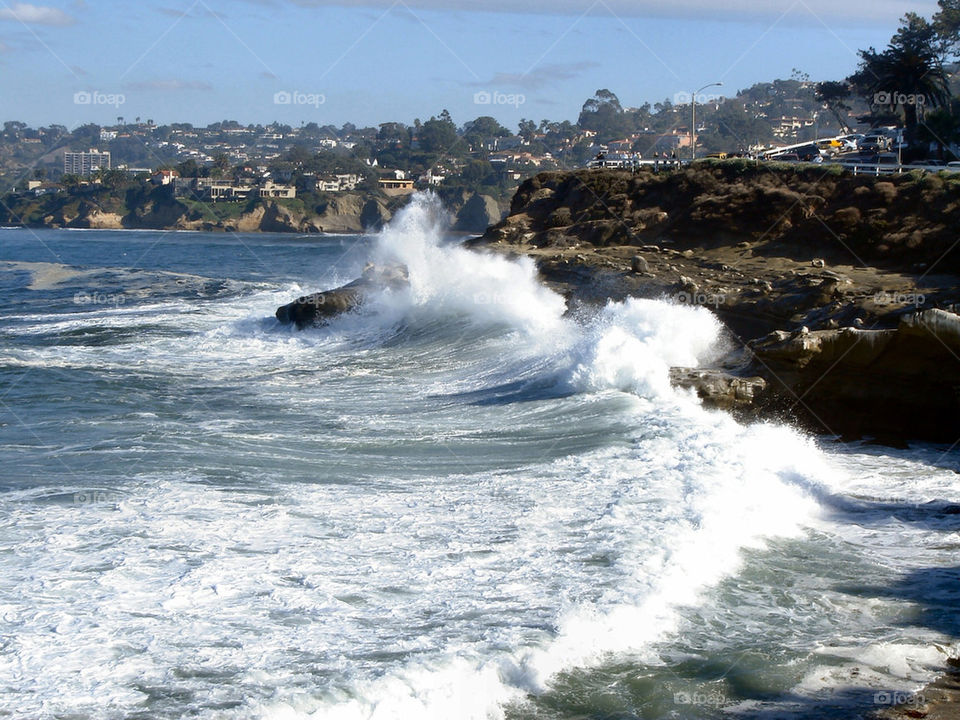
(412, 588)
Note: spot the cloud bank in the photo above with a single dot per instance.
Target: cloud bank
(35, 15)
(866, 12)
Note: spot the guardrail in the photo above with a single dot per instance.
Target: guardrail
(857, 168)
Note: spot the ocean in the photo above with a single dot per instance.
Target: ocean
(460, 501)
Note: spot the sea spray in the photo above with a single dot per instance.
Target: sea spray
(433, 507)
(449, 281)
(718, 487)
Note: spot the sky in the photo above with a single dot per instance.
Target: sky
(373, 61)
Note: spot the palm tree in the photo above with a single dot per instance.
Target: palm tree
(906, 77)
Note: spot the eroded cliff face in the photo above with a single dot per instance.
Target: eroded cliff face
(837, 292)
(348, 213)
(899, 220)
(890, 383)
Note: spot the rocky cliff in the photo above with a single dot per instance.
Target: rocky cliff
(836, 291)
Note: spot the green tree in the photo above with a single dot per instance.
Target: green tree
(834, 95)
(482, 128)
(221, 164)
(947, 25)
(941, 127)
(603, 114)
(394, 134)
(907, 76)
(438, 135)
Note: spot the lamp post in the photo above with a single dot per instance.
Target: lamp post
(693, 119)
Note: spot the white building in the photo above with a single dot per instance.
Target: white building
(85, 163)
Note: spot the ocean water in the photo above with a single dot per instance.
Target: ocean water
(461, 501)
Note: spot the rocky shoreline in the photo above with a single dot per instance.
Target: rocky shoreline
(159, 209)
(838, 294)
(820, 336)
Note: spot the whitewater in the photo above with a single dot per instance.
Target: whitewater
(463, 500)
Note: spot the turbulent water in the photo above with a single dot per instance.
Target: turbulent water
(461, 501)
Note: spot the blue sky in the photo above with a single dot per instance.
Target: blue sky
(374, 61)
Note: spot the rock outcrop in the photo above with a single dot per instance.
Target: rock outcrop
(803, 212)
(477, 214)
(856, 382)
(842, 287)
(318, 308)
(721, 390)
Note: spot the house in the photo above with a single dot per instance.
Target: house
(270, 189)
(432, 178)
(222, 189)
(338, 183)
(164, 177)
(394, 186)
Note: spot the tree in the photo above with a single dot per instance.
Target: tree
(835, 95)
(393, 134)
(603, 114)
(527, 129)
(438, 136)
(908, 75)
(941, 127)
(221, 163)
(947, 25)
(189, 168)
(485, 126)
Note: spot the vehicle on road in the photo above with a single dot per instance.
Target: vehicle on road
(874, 143)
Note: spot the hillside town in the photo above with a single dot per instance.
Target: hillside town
(226, 162)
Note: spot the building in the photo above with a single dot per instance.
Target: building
(271, 189)
(393, 187)
(85, 163)
(164, 177)
(338, 183)
(432, 178)
(222, 189)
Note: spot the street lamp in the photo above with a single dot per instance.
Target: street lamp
(693, 119)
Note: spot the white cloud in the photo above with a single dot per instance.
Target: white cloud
(539, 76)
(168, 85)
(866, 12)
(35, 14)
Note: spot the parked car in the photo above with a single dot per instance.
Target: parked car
(874, 143)
(850, 141)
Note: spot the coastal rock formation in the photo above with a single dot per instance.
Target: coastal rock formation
(842, 287)
(870, 382)
(808, 213)
(721, 390)
(477, 214)
(374, 215)
(318, 308)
